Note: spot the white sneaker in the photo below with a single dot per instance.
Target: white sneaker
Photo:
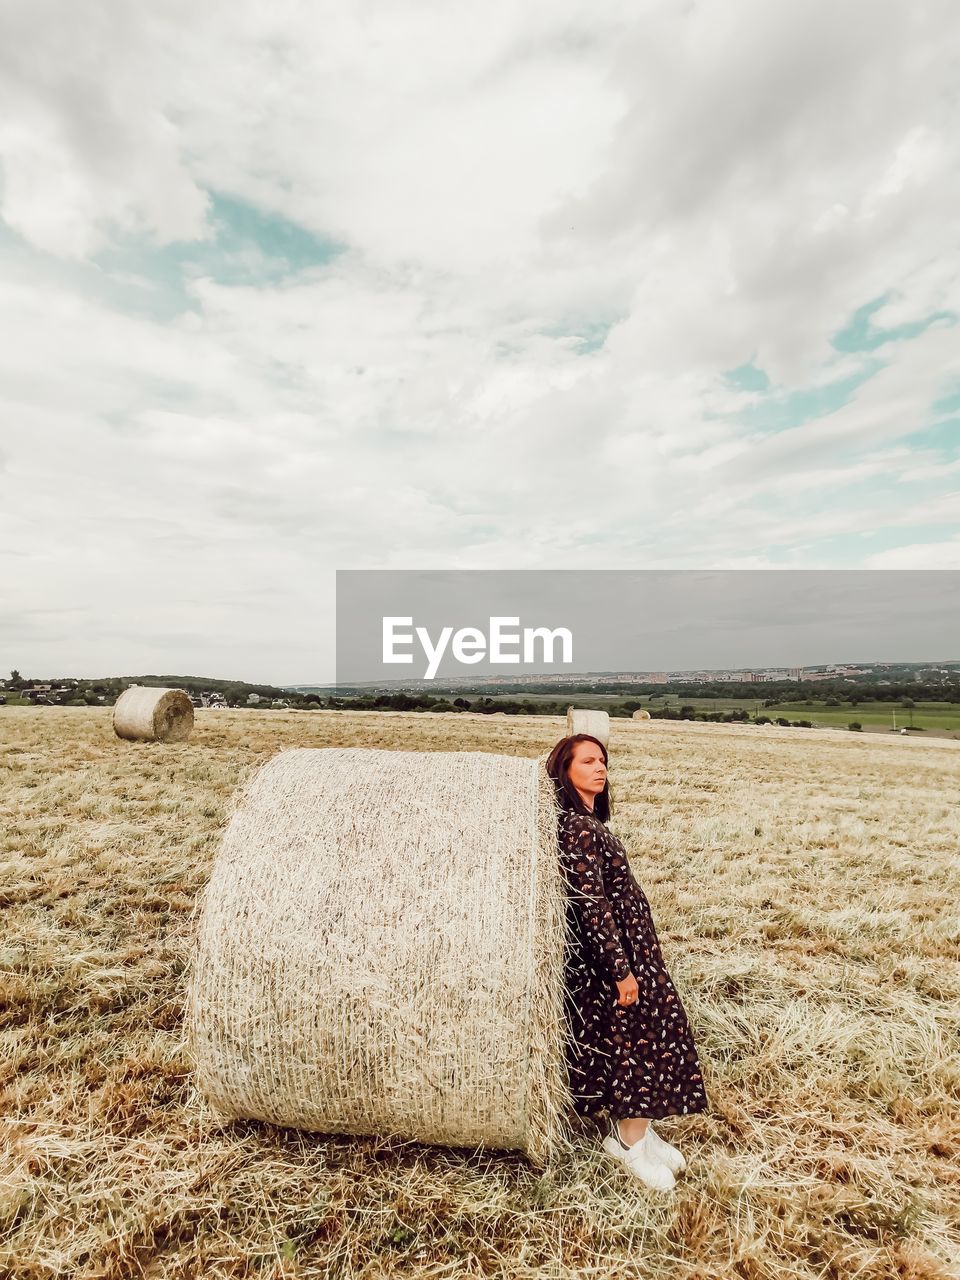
(640, 1160)
(665, 1153)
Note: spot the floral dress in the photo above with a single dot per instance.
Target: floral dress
(637, 1059)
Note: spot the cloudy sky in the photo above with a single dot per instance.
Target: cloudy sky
(293, 287)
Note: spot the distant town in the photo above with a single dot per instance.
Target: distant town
(884, 672)
(938, 678)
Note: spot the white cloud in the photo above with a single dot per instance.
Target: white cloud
(710, 184)
(927, 555)
(87, 141)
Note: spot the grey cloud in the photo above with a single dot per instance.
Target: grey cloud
(765, 98)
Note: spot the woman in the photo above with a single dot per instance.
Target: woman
(630, 1052)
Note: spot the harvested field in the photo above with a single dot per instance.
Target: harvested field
(805, 886)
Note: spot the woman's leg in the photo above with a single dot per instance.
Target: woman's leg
(633, 1129)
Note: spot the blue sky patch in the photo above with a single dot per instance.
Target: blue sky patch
(247, 247)
(747, 377)
(781, 410)
(241, 227)
(860, 334)
(942, 435)
(948, 404)
(589, 335)
(777, 410)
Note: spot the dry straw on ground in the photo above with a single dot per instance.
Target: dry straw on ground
(805, 886)
(149, 714)
(380, 950)
(581, 720)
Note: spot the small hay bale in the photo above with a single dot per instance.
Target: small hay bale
(148, 714)
(380, 951)
(580, 720)
(640, 715)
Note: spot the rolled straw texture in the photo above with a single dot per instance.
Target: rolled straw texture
(380, 951)
(155, 715)
(595, 722)
(641, 715)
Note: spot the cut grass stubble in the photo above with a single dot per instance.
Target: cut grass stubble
(805, 893)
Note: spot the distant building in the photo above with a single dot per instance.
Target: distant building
(45, 692)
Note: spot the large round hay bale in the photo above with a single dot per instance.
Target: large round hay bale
(146, 713)
(640, 715)
(580, 720)
(380, 951)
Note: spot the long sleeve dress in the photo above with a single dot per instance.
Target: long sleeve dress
(626, 1060)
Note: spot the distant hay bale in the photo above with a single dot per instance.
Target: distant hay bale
(640, 715)
(380, 951)
(145, 713)
(597, 723)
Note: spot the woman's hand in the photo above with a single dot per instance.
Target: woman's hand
(627, 988)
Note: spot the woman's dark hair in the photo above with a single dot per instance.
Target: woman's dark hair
(568, 797)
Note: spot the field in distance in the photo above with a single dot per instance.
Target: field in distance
(804, 885)
(935, 717)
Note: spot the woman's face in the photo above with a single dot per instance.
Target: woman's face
(587, 771)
